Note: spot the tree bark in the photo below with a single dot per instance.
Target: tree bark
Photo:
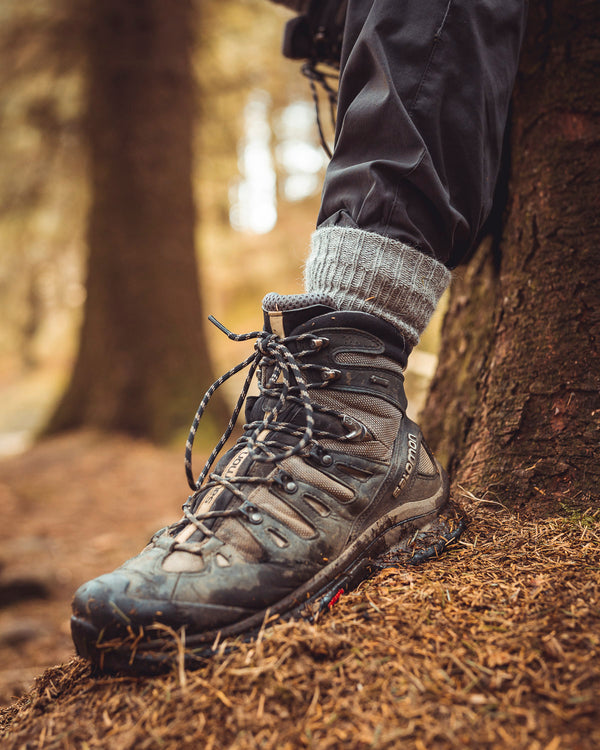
(514, 408)
(143, 363)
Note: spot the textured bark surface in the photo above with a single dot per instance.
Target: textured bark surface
(515, 404)
(143, 363)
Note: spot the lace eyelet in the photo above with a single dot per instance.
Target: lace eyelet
(329, 375)
(252, 513)
(286, 482)
(357, 430)
(318, 454)
(320, 343)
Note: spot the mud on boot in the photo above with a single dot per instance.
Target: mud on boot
(329, 482)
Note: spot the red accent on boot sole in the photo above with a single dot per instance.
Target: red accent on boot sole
(335, 598)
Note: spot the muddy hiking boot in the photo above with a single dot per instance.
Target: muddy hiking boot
(329, 479)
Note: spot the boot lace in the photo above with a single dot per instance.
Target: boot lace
(286, 384)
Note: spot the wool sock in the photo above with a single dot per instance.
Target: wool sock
(363, 271)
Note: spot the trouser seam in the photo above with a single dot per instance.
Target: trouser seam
(436, 40)
(388, 222)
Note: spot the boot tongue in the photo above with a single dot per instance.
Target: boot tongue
(284, 313)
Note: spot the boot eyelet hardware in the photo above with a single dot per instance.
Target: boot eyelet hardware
(320, 343)
(251, 512)
(318, 455)
(329, 375)
(357, 430)
(286, 482)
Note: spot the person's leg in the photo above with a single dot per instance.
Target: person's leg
(423, 100)
(330, 472)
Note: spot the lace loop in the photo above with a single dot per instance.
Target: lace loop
(281, 383)
(270, 351)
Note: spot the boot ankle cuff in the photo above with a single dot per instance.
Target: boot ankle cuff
(370, 273)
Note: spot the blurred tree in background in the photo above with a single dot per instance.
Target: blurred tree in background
(43, 195)
(49, 117)
(142, 357)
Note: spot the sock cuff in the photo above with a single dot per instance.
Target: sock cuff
(371, 273)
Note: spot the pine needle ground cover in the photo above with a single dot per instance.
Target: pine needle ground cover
(496, 644)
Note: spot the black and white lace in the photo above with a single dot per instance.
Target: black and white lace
(282, 382)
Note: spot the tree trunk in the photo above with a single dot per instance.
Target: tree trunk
(143, 364)
(515, 404)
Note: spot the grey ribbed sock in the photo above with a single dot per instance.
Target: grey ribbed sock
(364, 271)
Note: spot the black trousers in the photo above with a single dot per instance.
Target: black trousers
(424, 93)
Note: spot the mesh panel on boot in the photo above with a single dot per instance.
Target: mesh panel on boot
(368, 360)
(425, 465)
(282, 511)
(379, 416)
(306, 473)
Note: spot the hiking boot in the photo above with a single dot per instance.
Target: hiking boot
(329, 475)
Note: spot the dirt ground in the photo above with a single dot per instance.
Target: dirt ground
(71, 508)
(496, 644)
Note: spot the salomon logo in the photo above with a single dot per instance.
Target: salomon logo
(410, 463)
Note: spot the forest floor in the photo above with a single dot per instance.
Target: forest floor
(496, 644)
